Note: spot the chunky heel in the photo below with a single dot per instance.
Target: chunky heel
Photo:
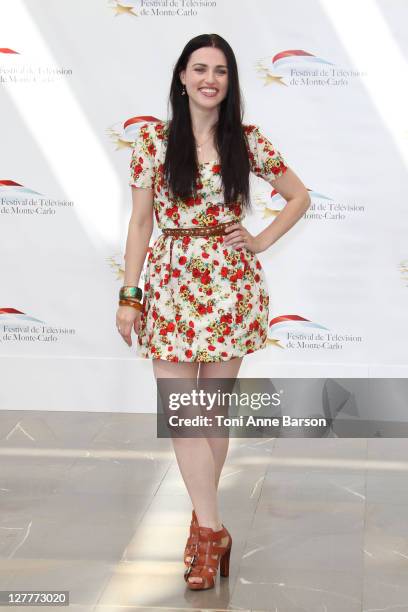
(224, 563)
(209, 555)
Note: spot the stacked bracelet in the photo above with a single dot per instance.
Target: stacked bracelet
(128, 291)
(132, 303)
(130, 296)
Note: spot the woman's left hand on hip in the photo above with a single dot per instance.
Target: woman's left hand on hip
(238, 236)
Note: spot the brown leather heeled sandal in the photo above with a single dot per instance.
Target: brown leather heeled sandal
(207, 556)
(191, 540)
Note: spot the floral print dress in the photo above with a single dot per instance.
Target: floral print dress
(203, 300)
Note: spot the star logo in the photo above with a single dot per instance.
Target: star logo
(268, 77)
(118, 140)
(274, 342)
(123, 9)
(116, 266)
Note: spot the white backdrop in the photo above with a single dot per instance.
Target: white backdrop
(73, 73)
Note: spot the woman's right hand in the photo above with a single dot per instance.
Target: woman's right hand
(126, 318)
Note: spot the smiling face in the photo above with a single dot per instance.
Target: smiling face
(206, 77)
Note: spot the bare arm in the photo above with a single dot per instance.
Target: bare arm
(267, 162)
(139, 234)
(298, 201)
(137, 243)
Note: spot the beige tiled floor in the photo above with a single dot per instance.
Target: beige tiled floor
(95, 504)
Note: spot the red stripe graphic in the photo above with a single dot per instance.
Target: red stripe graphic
(9, 183)
(10, 311)
(141, 118)
(287, 318)
(5, 50)
(289, 53)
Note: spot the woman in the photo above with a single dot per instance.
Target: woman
(205, 301)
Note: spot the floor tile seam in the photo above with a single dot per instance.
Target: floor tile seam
(247, 534)
(137, 526)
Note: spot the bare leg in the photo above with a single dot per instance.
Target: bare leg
(208, 373)
(200, 459)
(224, 369)
(194, 455)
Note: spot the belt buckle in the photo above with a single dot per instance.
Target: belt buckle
(190, 567)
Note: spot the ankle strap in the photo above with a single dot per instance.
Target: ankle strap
(209, 535)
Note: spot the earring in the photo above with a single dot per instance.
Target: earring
(183, 93)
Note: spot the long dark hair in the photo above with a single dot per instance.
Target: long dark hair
(181, 166)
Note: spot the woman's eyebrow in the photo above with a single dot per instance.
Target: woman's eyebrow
(201, 64)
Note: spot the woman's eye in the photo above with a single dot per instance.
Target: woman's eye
(219, 71)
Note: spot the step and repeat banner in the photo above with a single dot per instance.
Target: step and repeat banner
(77, 79)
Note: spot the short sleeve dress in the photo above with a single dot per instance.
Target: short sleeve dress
(203, 300)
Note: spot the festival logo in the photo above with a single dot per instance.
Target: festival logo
(16, 199)
(299, 68)
(18, 67)
(18, 326)
(322, 207)
(124, 134)
(161, 8)
(294, 332)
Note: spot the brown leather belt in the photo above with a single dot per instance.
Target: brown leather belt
(210, 230)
